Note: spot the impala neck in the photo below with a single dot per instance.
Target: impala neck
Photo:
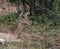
(18, 29)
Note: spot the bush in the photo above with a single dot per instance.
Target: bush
(45, 20)
(9, 20)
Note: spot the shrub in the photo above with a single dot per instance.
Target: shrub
(9, 20)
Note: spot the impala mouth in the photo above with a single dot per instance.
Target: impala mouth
(29, 23)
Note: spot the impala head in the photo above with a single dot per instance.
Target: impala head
(24, 18)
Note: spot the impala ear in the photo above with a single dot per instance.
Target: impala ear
(21, 14)
(27, 13)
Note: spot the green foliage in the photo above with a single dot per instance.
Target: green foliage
(47, 20)
(49, 12)
(9, 20)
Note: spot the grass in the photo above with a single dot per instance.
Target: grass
(35, 37)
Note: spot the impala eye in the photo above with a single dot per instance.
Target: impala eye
(23, 16)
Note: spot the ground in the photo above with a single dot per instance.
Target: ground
(36, 37)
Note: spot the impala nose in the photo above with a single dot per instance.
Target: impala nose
(30, 23)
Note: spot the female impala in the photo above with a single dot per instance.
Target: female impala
(12, 35)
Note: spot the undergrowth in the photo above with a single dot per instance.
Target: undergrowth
(10, 20)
